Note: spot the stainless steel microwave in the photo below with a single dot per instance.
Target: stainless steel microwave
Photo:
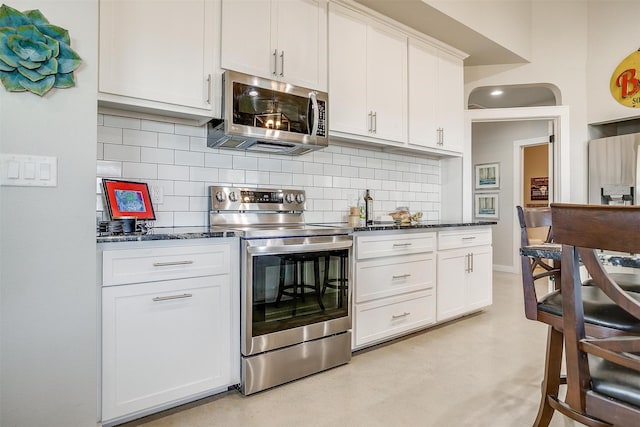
(269, 116)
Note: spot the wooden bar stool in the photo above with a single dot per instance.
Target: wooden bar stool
(298, 288)
(340, 282)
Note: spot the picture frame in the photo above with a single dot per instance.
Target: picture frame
(128, 199)
(487, 206)
(487, 176)
(540, 188)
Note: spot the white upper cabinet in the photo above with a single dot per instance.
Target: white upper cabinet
(160, 56)
(436, 98)
(367, 78)
(276, 39)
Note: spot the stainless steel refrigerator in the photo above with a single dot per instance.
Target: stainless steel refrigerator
(613, 175)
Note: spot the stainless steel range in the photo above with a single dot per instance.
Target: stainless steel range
(295, 292)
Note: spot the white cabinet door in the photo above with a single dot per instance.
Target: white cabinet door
(451, 287)
(480, 279)
(367, 78)
(423, 80)
(247, 39)
(387, 83)
(158, 51)
(450, 101)
(276, 39)
(301, 41)
(164, 341)
(347, 74)
(436, 98)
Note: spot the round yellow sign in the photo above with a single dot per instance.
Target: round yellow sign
(625, 81)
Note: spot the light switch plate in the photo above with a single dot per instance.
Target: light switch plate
(28, 171)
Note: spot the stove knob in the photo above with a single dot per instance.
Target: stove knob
(220, 196)
(233, 196)
(289, 198)
(300, 198)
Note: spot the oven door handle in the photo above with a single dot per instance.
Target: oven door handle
(295, 248)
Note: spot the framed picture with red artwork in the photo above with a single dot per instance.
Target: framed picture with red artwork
(127, 199)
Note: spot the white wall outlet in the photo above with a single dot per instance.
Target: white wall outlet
(157, 194)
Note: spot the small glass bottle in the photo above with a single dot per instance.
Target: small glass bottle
(368, 207)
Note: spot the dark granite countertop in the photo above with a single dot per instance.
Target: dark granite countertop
(175, 233)
(166, 233)
(390, 225)
(554, 251)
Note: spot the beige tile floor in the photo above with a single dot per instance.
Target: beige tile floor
(483, 370)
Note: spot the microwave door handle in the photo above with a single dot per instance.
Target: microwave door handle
(316, 113)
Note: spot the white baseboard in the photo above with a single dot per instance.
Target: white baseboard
(505, 268)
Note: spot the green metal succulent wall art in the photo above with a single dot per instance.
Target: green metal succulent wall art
(34, 54)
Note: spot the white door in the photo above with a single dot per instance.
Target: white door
(479, 279)
(452, 276)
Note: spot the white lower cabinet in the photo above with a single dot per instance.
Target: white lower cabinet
(394, 290)
(164, 341)
(405, 281)
(465, 270)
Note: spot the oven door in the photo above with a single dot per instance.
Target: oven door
(294, 290)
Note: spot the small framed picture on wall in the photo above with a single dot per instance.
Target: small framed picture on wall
(486, 206)
(487, 176)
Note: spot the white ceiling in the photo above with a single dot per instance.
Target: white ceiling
(428, 20)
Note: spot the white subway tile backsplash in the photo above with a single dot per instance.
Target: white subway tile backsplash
(271, 165)
(198, 204)
(109, 169)
(231, 175)
(199, 131)
(280, 179)
(189, 188)
(313, 168)
(160, 127)
(121, 122)
(177, 158)
(156, 155)
(217, 160)
(322, 181)
(189, 158)
(139, 170)
(174, 203)
(173, 172)
(127, 153)
(256, 177)
(332, 170)
(109, 135)
(203, 174)
(186, 219)
(139, 137)
(175, 142)
(246, 163)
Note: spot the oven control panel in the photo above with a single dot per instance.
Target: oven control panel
(256, 199)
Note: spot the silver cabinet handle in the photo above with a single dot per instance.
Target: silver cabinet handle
(168, 263)
(275, 62)
(401, 276)
(441, 136)
(401, 245)
(208, 101)
(399, 316)
(282, 64)
(469, 238)
(467, 264)
(370, 121)
(375, 122)
(471, 258)
(156, 299)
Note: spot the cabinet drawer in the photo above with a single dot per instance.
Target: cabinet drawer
(394, 244)
(153, 264)
(463, 238)
(378, 278)
(382, 319)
